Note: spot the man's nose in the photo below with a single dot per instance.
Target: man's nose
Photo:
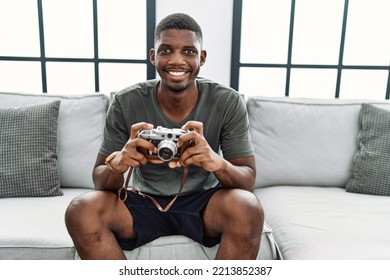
(176, 58)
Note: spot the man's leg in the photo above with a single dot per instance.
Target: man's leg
(93, 220)
(237, 217)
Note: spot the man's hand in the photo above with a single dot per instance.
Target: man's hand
(131, 155)
(199, 153)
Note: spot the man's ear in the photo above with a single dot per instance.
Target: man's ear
(203, 55)
(152, 56)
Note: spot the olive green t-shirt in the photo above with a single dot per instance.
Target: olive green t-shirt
(225, 123)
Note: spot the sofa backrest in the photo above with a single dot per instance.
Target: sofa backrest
(80, 128)
(304, 141)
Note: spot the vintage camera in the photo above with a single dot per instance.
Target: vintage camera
(165, 140)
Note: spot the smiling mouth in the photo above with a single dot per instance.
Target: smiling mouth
(176, 73)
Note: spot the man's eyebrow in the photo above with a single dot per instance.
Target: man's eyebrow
(189, 47)
(164, 45)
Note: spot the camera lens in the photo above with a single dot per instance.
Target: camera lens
(165, 154)
(167, 150)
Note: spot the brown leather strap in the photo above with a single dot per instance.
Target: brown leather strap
(122, 192)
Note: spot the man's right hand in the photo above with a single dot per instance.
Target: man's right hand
(130, 155)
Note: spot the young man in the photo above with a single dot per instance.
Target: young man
(216, 204)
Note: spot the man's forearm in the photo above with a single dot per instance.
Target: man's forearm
(106, 180)
(235, 176)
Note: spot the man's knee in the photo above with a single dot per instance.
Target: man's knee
(84, 210)
(247, 212)
(75, 212)
(245, 208)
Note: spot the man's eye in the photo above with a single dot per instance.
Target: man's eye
(190, 52)
(163, 51)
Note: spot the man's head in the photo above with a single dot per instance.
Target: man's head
(178, 21)
(177, 53)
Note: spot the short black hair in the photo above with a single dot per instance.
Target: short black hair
(178, 21)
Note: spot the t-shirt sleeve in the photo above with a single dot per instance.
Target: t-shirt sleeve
(235, 137)
(116, 133)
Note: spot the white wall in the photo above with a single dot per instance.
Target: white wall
(215, 17)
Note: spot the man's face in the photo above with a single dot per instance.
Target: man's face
(177, 57)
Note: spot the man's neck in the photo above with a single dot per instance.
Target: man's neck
(177, 105)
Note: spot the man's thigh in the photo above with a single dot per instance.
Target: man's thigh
(227, 207)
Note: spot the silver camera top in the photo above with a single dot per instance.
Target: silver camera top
(165, 139)
(161, 133)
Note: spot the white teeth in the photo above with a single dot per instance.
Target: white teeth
(176, 73)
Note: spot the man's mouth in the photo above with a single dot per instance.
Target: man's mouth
(176, 73)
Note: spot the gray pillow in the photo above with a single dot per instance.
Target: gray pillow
(371, 163)
(28, 151)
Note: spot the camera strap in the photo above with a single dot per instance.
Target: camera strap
(122, 192)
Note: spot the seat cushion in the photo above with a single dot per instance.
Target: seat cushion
(34, 228)
(314, 223)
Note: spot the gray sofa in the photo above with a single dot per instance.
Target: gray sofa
(324, 176)
(309, 160)
(34, 228)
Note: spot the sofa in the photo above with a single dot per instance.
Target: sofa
(322, 178)
(46, 161)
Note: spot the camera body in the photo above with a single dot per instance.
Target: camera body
(165, 140)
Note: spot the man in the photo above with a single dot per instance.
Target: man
(216, 204)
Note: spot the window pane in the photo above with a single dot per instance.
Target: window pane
(116, 76)
(262, 81)
(363, 84)
(317, 31)
(18, 76)
(70, 77)
(122, 29)
(68, 28)
(19, 28)
(313, 83)
(367, 39)
(265, 29)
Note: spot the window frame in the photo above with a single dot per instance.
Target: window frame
(150, 25)
(236, 50)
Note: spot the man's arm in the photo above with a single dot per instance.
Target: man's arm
(104, 178)
(235, 173)
(111, 178)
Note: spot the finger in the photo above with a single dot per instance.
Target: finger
(134, 160)
(137, 150)
(194, 125)
(135, 145)
(190, 139)
(174, 164)
(156, 161)
(145, 144)
(138, 127)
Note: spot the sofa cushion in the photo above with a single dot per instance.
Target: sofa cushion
(35, 228)
(327, 223)
(80, 126)
(28, 151)
(371, 171)
(304, 141)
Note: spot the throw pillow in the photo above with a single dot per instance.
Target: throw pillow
(28, 151)
(370, 166)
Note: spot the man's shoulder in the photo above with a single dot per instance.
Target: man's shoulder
(216, 90)
(142, 88)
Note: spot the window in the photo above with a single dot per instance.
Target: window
(75, 46)
(312, 48)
